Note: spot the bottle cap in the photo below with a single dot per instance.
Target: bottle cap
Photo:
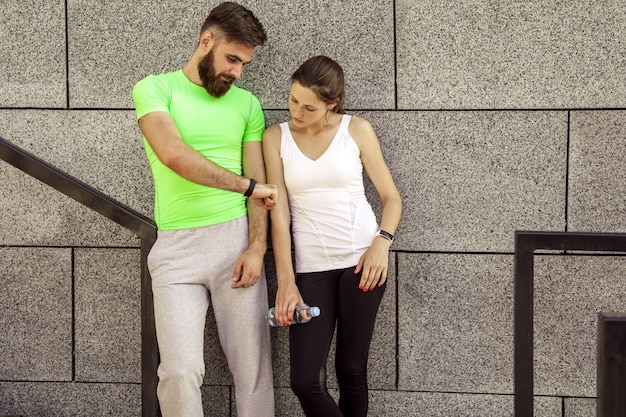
(314, 311)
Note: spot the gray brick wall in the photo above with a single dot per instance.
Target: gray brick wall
(493, 117)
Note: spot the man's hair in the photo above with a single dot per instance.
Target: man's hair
(325, 77)
(232, 22)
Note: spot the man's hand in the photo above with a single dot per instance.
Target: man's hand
(265, 195)
(247, 269)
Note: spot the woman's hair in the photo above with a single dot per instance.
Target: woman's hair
(234, 23)
(325, 77)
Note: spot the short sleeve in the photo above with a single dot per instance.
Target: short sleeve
(256, 122)
(150, 95)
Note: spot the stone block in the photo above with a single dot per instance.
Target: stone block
(216, 401)
(108, 315)
(487, 55)
(570, 291)
(70, 399)
(273, 117)
(597, 190)
(470, 179)
(133, 42)
(36, 214)
(36, 312)
(32, 41)
(287, 404)
(455, 323)
(580, 407)
(217, 372)
(342, 31)
(384, 403)
(103, 149)
(441, 404)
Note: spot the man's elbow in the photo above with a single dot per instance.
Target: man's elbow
(173, 161)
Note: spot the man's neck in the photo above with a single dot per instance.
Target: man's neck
(191, 71)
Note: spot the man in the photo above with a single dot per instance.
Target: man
(201, 133)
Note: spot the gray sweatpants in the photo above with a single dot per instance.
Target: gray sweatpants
(191, 268)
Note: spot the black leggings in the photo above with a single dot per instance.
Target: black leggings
(340, 300)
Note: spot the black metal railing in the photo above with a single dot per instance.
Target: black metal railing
(124, 216)
(611, 372)
(526, 243)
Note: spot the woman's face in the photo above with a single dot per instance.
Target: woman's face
(305, 106)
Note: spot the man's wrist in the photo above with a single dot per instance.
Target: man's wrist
(258, 247)
(250, 189)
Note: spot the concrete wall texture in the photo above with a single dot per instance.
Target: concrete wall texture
(494, 116)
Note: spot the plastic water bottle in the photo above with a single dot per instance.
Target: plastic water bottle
(302, 314)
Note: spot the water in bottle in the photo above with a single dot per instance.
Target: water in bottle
(302, 314)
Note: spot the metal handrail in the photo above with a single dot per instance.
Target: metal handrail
(526, 243)
(125, 217)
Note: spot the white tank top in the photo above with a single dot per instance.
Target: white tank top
(332, 223)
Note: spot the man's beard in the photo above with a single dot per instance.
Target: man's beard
(211, 81)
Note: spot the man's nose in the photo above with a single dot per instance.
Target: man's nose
(236, 70)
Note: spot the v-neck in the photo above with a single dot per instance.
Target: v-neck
(330, 143)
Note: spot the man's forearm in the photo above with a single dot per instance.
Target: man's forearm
(195, 167)
(257, 228)
(162, 134)
(254, 167)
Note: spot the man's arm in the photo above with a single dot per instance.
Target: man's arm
(162, 134)
(249, 265)
(254, 167)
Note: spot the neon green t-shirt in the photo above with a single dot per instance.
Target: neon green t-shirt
(216, 128)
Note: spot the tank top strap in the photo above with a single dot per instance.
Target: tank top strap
(345, 121)
(284, 127)
(285, 137)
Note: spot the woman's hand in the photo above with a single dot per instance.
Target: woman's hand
(287, 298)
(374, 263)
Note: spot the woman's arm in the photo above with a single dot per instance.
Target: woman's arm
(375, 260)
(287, 296)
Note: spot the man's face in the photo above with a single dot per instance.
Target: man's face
(222, 65)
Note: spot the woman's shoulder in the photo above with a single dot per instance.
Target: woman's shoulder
(272, 133)
(274, 129)
(359, 126)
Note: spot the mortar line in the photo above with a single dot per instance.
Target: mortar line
(567, 166)
(67, 58)
(73, 300)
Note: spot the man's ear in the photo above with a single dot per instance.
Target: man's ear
(206, 40)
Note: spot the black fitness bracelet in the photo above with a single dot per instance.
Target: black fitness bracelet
(250, 189)
(385, 234)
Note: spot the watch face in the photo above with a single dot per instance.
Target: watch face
(385, 234)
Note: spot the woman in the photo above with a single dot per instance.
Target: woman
(317, 159)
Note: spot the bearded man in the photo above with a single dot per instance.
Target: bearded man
(202, 136)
